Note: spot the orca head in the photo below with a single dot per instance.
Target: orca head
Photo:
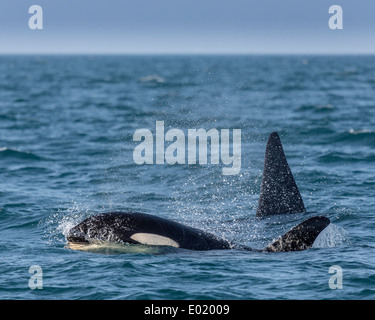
(107, 227)
(77, 235)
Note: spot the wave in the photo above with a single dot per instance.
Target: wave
(361, 136)
(9, 153)
(362, 132)
(318, 108)
(153, 78)
(333, 157)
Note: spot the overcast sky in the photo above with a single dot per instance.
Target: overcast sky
(187, 26)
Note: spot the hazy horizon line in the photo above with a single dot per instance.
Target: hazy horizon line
(192, 53)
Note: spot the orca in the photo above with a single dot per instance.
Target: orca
(279, 195)
(141, 228)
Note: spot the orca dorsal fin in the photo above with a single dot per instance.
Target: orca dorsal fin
(279, 193)
(301, 237)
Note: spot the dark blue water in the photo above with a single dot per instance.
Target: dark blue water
(66, 152)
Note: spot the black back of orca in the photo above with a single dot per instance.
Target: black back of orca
(130, 227)
(279, 193)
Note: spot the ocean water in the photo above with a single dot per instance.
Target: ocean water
(66, 152)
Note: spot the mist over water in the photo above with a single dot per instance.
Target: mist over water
(66, 152)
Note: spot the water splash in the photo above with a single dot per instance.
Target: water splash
(332, 236)
(57, 225)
